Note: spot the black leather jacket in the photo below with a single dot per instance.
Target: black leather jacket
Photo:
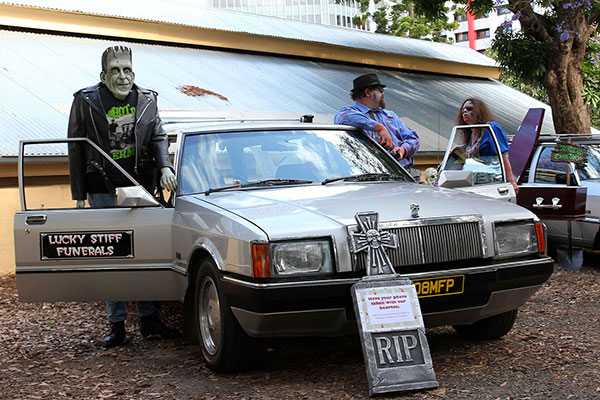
(87, 119)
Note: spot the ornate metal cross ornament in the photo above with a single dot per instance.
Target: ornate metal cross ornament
(373, 240)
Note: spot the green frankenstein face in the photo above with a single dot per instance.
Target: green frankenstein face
(117, 72)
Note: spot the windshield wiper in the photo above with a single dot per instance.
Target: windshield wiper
(263, 182)
(365, 177)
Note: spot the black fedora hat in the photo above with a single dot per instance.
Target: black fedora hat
(366, 81)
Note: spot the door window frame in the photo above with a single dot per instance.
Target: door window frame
(87, 141)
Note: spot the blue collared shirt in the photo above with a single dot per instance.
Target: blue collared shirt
(357, 115)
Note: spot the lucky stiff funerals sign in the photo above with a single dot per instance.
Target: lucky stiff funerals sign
(386, 304)
(72, 245)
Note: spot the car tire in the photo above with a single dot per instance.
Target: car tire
(490, 328)
(224, 344)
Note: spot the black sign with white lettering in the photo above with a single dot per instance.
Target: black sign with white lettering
(397, 349)
(74, 245)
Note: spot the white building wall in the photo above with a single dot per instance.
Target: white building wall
(485, 27)
(325, 12)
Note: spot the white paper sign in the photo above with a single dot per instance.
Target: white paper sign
(389, 308)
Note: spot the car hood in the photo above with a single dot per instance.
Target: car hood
(314, 207)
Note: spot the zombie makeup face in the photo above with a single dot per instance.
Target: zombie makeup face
(468, 114)
(117, 72)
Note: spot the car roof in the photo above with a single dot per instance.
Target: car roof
(573, 138)
(190, 126)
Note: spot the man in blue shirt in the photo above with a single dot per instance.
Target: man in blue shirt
(369, 114)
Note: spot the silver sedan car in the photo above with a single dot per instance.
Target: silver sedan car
(258, 240)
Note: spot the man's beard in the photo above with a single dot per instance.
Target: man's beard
(382, 102)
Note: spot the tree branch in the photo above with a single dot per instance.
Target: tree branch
(532, 21)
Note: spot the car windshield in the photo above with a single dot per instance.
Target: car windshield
(237, 159)
(591, 169)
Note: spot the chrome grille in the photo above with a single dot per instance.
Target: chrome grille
(431, 243)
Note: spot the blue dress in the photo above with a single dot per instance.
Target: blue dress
(486, 143)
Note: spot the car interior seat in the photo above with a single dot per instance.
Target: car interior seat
(298, 171)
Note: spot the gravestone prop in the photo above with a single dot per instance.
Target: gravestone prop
(387, 308)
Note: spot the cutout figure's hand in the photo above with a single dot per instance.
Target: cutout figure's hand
(167, 179)
(80, 204)
(399, 153)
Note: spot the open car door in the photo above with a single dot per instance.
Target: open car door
(484, 175)
(63, 253)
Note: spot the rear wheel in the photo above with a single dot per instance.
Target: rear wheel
(224, 344)
(490, 328)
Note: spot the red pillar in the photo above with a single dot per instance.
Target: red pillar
(471, 29)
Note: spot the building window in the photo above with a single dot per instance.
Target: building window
(460, 17)
(483, 33)
(462, 37)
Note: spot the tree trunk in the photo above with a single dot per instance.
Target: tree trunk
(563, 79)
(564, 83)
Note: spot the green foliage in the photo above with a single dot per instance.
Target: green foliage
(431, 9)
(591, 80)
(521, 54)
(533, 89)
(402, 18)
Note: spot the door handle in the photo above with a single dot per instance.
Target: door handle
(36, 220)
(503, 191)
(554, 205)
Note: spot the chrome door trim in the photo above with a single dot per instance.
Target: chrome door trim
(94, 268)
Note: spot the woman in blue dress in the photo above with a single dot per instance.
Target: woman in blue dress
(478, 141)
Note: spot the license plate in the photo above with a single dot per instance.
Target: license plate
(442, 286)
(78, 245)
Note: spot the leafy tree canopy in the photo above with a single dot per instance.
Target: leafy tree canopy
(401, 18)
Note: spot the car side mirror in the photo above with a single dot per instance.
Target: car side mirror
(454, 179)
(135, 196)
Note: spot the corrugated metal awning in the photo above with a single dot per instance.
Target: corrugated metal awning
(39, 74)
(186, 23)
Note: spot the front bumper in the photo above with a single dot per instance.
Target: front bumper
(324, 307)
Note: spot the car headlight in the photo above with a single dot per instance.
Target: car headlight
(515, 238)
(301, 257)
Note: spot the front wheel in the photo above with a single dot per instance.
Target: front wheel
(490, 328)
(224, 344)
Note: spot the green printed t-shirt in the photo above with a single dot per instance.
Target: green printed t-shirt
(121, 137)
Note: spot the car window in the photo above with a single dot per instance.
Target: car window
(525, 176)
(215, 160)
(486, 165)
(41, 166)
(591, 169)
(548, 171)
